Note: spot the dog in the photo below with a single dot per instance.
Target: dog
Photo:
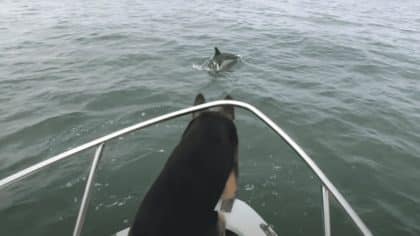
(201, 170)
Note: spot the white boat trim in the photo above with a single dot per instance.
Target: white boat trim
(326, 183)
(241, 220)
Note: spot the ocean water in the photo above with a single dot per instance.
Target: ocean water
(341, 77)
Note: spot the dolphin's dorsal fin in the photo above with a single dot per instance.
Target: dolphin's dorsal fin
(216, 51)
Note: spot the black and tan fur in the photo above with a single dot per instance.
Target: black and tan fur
(202, 168)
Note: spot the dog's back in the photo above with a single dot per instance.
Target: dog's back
(182, 199)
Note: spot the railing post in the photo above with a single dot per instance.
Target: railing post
(86, 194)
(326, 211)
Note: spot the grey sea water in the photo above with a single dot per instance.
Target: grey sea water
(341, 77)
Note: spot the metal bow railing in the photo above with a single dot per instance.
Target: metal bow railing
(328, 189)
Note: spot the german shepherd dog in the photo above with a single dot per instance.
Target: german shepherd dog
(202, 169)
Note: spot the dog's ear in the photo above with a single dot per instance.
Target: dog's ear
(199, 99)
(228, 110)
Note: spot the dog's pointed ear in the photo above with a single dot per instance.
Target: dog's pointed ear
(199, 99)
(228, 110)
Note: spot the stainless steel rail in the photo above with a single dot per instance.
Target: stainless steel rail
(326, 211)
(327, 186)
(86, 194)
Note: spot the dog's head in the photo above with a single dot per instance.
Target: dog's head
(231, 184)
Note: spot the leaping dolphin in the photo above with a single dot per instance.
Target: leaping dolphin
(222, 61)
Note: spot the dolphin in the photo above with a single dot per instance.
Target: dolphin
(222, 61)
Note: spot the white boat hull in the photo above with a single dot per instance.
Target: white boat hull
(242, 220)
